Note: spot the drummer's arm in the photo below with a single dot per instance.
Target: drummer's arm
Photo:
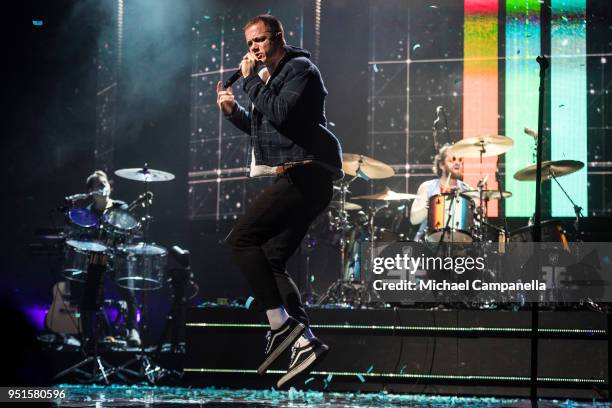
(418, 211)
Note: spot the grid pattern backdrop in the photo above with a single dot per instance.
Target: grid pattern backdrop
(476, 58)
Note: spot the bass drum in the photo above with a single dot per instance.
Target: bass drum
(140, 266)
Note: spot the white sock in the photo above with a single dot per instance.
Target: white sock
(277, 317)
(305, 338)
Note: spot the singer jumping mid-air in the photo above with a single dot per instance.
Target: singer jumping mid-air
(289, 140)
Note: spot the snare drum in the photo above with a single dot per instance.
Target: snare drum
(460, 209)
(77, 258)
(120, 225)
(140, 266)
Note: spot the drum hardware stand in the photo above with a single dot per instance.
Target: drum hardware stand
(148, 370)
(342, 289)
(92, 302)
(577, 208)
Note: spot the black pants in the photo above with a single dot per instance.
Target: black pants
(270, 231)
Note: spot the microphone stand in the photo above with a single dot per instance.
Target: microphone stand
(537, 234)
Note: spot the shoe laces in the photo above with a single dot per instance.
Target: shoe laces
(268, 339)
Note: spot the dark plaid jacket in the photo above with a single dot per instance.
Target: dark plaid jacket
(287, 123)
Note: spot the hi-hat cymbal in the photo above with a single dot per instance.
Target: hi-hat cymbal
(347, 205)
(387, 195)
(144, 174)
(486, 194)
(372, 168)
(488, 145)
(555, 168)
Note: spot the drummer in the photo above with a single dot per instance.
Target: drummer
(449, 170)
(98, 185)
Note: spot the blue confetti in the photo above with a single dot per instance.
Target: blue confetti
(37, 22)
(363, 175)
(403, 369)
(248, 302)
(375, 68)
(415, 46)
(309, 380)
(327, 380)
(206, 17)
(370, 369)
(360, 378)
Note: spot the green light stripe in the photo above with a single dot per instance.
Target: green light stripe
(405, 375)
(406, 328)
(568, 101)
(521, 99)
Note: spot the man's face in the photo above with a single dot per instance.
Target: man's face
(260, 42)
(452, 165)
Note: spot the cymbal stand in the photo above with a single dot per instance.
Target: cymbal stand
(338, 291)
(577, 208)
(148, 370)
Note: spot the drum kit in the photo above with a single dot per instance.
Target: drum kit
(116, 244)
(135, 266)
(459, 216)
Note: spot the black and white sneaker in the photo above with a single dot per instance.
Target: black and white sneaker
(304, 359)
(279, 340)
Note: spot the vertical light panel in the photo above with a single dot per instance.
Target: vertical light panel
(568, 101)
(521, 99)
(480, 89)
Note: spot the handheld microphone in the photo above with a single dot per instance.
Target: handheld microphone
(235, 76)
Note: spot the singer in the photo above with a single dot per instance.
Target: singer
(288, 140)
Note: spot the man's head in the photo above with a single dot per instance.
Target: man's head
(446, 163)
(265, 38)
(97, 181)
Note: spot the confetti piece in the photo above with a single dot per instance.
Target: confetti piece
(206, 17)
(312, 278)
(360, 378)
(564, 18)
(562, 106)
(363, 175)
(375, 68)
(416, 46)
(370, 369)
(309, 380)
(37, 22)
(248, 302)
(433, 6)
(403, 369)
(518, 52)
(332, 124)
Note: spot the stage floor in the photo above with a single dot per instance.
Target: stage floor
(137, 396)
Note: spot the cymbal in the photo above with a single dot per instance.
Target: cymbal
(347, 205)
(489, 145)
(387, 195)
(557, 168)
(486, 194)
(372, 168)
(144, 174)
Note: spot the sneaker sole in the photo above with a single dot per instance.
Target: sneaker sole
(310, 363)
(289, 340)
